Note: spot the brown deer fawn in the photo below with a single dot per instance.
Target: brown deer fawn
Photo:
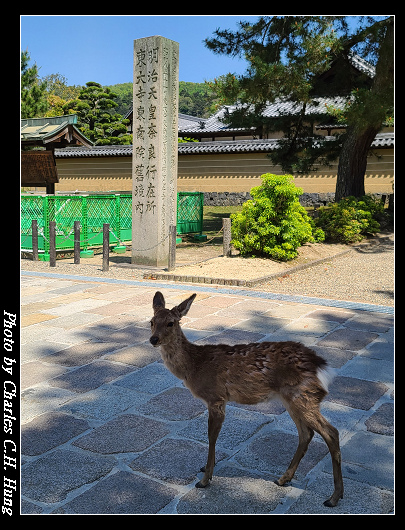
(249, 374)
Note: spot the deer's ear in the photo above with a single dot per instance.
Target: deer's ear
(158, 301)
(185, 306)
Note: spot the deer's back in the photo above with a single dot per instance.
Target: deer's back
(251, 373)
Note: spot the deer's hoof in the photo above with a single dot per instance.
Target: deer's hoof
(330, 503)
(201, 484)
(282, 485)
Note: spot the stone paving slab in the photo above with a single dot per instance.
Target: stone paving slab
(136, 433)
(369, 458)
(49, 478)
(107, 429)
(359, 498)
(36, 372)
(382, 421)
(121, 493)
(102, 403)
(174, 404)
(348, 339)
(235, 491)
(48, 431)
(166, 461)
(90, 376)
(269, 454)
(240, 425)
(355, 393)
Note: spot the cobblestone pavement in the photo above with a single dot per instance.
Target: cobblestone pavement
(107, 429)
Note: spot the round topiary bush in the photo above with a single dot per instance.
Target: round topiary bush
(273, 224)
(351, 219)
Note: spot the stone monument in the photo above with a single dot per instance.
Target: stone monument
(155, 144)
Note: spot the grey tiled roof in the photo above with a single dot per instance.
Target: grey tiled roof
(95, 151)
(228, 146)
(362, 65)
(383, 140)
(187, 122)
(280, 107)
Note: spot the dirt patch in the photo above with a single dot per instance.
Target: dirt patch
(238, 270)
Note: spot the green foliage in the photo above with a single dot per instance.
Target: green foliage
(350, 219)
(124, 97)
(195, 99)
(273, 224)
(96, 120)
(299, 58)
(56, 84)
(33, 92)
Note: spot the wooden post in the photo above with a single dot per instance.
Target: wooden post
(76, 243)
(34, 232)
(172, 247)
(226, 225)
(52, 243)
(106, 247)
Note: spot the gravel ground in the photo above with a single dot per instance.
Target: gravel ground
(366, 274)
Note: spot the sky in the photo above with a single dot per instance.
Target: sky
(100, 48)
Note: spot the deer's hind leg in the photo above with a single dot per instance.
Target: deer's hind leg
(331, 436)
(308, 418)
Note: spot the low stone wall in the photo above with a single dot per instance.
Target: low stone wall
(231, 198)
(226, 198)
(316, 199)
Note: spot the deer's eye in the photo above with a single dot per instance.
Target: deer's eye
(151, 323)
(170, 324)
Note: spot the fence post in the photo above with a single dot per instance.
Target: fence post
(76, 244)
(34, 233)
(119, 248)
(52, 243)
(46, 219)
(226, 225)
(172, 247)
(106, 246)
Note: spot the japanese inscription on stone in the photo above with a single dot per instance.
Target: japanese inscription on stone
(155, 131)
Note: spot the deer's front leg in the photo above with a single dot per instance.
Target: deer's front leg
(216, 416)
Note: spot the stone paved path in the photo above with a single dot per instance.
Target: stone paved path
(107, 429)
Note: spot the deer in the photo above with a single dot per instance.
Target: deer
(249, 374)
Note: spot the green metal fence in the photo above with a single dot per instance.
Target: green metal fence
(189, 212)
(93, 211)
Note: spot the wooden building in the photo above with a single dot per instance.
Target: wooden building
(39, 138)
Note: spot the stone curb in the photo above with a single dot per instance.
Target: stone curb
(240, 283)
(256, 281)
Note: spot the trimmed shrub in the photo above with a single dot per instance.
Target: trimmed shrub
(351, 219)
(273, 224)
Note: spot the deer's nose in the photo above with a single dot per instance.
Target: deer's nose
(154, 340)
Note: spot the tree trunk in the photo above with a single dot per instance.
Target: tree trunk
(353, 162)
(360, 135)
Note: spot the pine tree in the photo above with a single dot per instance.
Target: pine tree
(290, 57)
(33, 92)
(95, 118)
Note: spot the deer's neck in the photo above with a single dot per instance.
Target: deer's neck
(176, 356)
